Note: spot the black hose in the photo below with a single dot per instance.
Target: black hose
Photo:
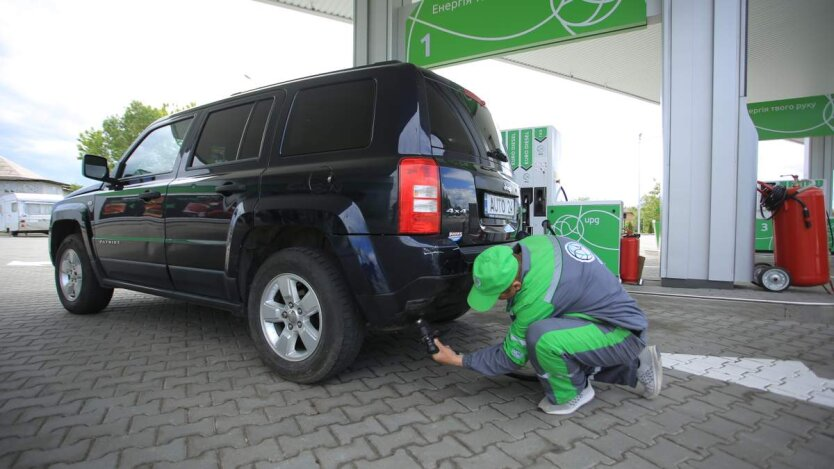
(547, 227)
(775, 199)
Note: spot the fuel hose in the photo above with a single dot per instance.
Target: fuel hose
(774, 198)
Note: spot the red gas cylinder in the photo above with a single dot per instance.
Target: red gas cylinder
(800, 237)
(630, 258)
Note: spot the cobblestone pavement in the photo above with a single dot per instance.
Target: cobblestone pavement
(152, 382)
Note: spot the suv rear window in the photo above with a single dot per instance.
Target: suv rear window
(447, 131)
(330, 118)
(486, 129)
(481, 116)
(232, 134)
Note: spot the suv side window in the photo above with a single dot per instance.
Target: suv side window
(232, 134)
(331, 117)
(158, 151)
(447, 130)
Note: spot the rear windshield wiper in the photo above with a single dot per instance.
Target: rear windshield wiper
(498, 154)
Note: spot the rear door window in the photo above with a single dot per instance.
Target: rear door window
(331, 118)
(447, 131)
(232, 134)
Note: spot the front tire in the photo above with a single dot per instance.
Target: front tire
(14, 234)
(78, 288)
(302, 317)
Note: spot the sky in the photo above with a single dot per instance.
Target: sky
(65, 66)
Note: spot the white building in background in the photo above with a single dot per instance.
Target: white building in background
(16, 178)
(26, 199)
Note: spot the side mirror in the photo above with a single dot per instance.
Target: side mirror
(95, 167)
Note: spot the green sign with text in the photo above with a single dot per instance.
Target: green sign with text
(526, 148)
(597, 225)
(510, 140)
(441, 32)
(812, 116)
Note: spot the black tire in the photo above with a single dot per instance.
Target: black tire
(91, 297)
(341, 328)
(758, 270)
(14, 234)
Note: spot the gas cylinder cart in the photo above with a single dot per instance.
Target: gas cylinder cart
(800, 234)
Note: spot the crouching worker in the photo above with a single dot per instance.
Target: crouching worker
(571, 319)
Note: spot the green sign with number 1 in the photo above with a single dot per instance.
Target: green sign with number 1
(441, 32)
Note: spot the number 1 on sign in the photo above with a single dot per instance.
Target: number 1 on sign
(427, 41)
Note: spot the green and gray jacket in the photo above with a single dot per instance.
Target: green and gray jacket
(559, 276)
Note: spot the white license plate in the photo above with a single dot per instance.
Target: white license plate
(495, 206)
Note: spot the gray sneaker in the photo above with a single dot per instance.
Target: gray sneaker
(570, 407)
(650, 372)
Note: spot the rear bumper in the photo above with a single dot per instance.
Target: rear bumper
(398, 279)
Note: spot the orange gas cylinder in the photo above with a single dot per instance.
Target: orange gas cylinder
(800, 237)
(630, 258)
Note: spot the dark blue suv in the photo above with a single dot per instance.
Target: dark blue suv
(317, 208)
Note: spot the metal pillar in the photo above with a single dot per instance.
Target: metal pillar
(709, 146)
(819, 163)
(375, 30)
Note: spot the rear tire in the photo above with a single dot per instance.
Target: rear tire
(302, 316)
(78, 288)
(14, 234)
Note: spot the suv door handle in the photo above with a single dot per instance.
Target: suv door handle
(150, 195)
(229, 188)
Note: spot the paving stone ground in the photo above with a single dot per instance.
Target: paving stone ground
(152, 382)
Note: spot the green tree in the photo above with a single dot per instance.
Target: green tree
(650, 208)
(118, 132)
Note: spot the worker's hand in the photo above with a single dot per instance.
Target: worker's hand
(446, 356)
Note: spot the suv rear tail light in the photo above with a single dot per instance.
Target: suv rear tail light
(419, 196)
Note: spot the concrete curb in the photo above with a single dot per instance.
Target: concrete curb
(803, 312)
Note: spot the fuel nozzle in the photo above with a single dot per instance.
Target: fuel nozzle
(427, 336)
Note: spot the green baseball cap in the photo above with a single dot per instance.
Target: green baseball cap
(494, 271)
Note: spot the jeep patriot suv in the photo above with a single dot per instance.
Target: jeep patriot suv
(316, 208)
